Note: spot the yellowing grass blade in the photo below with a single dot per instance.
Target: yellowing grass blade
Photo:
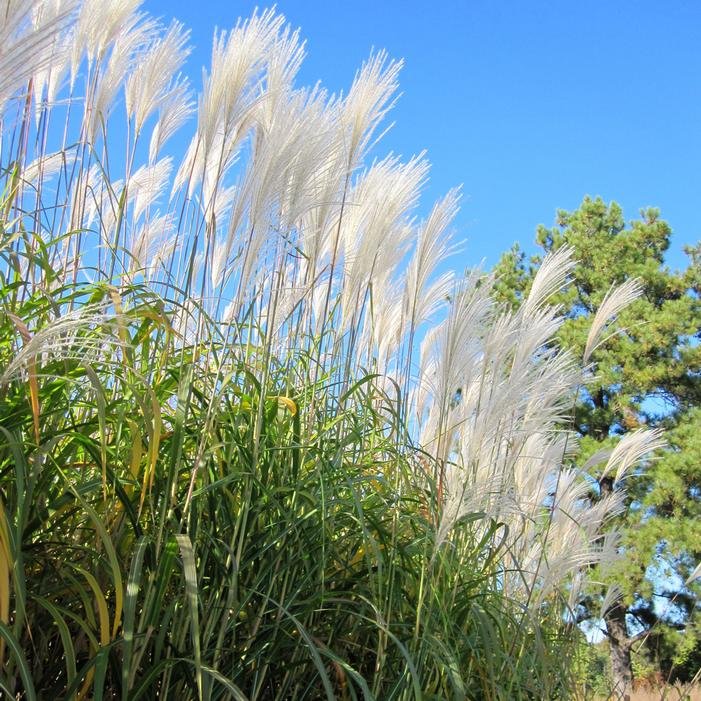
(31, 373)
(101, 604)
(286, 402)
(111, 557)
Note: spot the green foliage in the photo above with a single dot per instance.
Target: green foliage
(647, 374)
(592, 671)
(171, 529)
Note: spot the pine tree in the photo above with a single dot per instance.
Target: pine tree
(647, 374)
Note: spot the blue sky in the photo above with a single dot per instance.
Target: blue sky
(530, 105)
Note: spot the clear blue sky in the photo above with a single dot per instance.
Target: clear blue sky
(530, 105)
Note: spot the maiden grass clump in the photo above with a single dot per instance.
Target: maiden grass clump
(254, 444)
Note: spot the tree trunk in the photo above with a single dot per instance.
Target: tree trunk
(619, 649)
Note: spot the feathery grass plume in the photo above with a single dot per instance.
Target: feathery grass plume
(432, 248)
(630, 451)
(694, 575)
(451, 350)
(551, 277)
(43, 167)
(146, 185)
(276, 187)
(616, 299)
(370, 98)
(231, 90)
(151, 81)
(127, 53)
(64, 335)
(149, 243)
(49, 80)
(30, 42)
(613, 595)
(508, 450)
(174, 106)
(99, 24)
(375, 227)
(255, 441)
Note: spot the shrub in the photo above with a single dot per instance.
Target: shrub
(254, 444)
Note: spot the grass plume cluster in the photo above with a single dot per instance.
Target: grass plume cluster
(255, 443)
